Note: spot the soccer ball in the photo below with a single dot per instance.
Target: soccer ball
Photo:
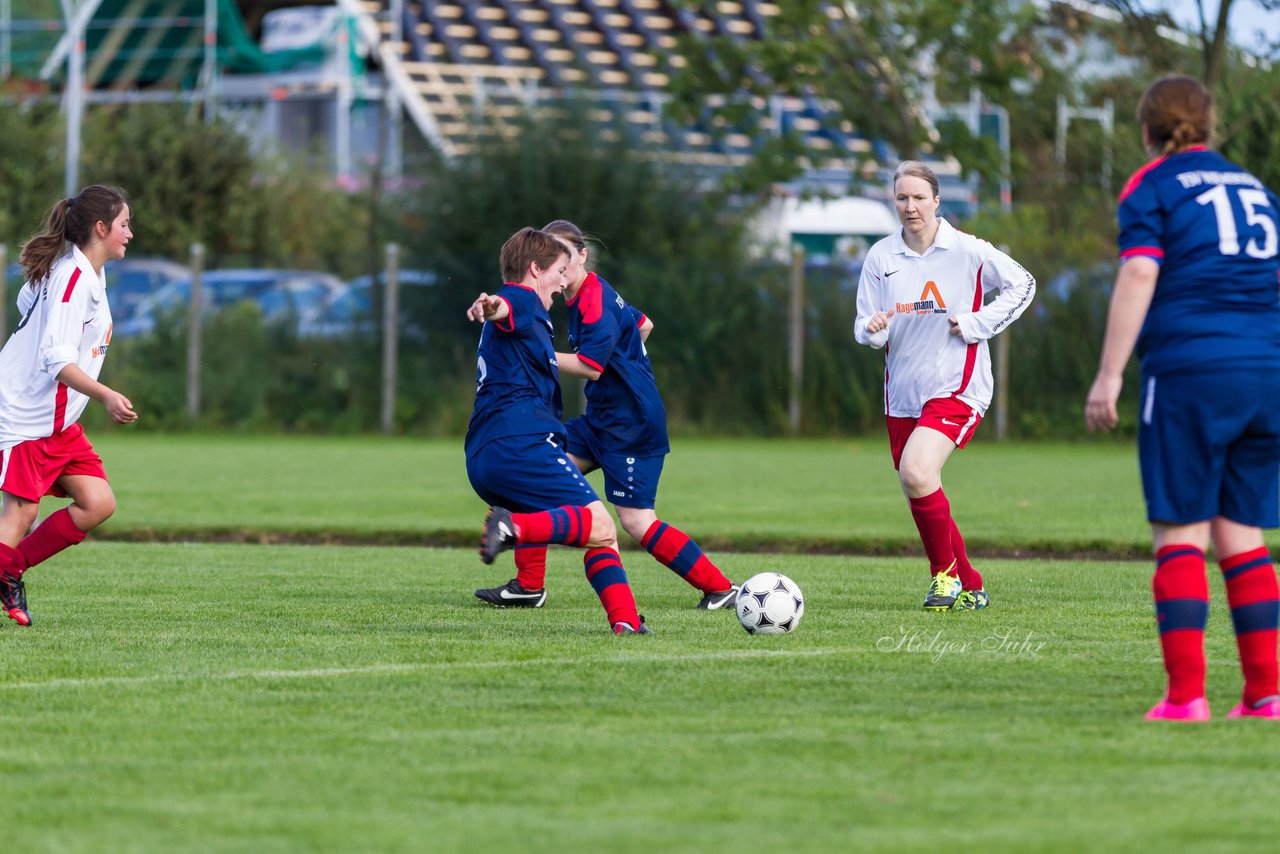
(770, 604)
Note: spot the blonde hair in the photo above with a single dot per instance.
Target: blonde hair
(915, 169)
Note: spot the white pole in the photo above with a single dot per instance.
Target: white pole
(6, 43)
(209, 69)
(345, 101)
(73, 102)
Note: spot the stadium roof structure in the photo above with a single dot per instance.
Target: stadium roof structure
(462, 60)
(134, 44)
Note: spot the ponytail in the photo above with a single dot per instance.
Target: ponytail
(39, 253)
(70, 220)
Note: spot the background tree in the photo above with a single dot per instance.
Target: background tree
(875, 63)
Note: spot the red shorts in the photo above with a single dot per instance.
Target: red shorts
(948, 415)
(31, 469)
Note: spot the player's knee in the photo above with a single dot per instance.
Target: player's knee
(97, 508)
(916, 478)
(603, 531)
(18, 518)
(636, 524)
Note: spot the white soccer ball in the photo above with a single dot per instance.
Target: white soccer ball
(770, 604)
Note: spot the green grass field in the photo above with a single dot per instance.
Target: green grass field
(201, 697)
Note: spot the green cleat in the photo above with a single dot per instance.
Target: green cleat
(972, 600)
(943, 591)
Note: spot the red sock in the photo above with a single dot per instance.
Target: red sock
(970, 578)
(54, 534)
(933, 519)
(1182, 608)
(11, 562)
(675, 550)
(564, 526)
(609, 579)
(1254, 597)
(531, 566)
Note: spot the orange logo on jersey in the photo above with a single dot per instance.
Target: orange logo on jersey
(931, 287)
(98, 352)
(927, 304)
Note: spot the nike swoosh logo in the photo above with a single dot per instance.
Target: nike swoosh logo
(951, 423)
(507, 594)
(504, 530)
(890, 273)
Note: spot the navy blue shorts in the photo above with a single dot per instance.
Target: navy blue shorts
(629, 481)
(1209, 445)
(528, 474)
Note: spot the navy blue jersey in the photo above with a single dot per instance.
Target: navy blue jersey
(623, 406)
(1213, 227)
(517, 380)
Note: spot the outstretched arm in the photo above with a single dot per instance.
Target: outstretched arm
(488, 307)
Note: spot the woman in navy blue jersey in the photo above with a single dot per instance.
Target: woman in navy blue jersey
(623, 432)
(516, 460)
(1196, 296)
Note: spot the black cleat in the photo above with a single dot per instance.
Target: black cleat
(513, 595)
(723, 599)
(499, 534)
(13, 598)
(628, 629)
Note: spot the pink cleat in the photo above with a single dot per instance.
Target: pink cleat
(1269, 709)
(1196, 710)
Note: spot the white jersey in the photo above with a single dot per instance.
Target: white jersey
(65, 319)
(923, 360)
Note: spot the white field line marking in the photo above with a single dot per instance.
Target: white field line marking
(414, 667)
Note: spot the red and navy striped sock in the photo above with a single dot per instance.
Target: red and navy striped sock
(609, 580)
(933, 520)
(1254, 597)
(531, 566)
(53, 535)
(564, 526)
(1181, 593)
(970, 578)
(675, 550)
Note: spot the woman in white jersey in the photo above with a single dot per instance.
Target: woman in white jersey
(921, 299)
(48, 374)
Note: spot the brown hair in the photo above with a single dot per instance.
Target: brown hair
(528, 246)
(570, 233)
(70, 221)
(1178, 113)
(916, 169)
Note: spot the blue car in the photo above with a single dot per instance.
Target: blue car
(350, 312)
(281, 295)
(130, 281)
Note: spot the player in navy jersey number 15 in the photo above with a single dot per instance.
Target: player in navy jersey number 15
(623, 431)
(515, 445)
(1196, 296)
(48, 374)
